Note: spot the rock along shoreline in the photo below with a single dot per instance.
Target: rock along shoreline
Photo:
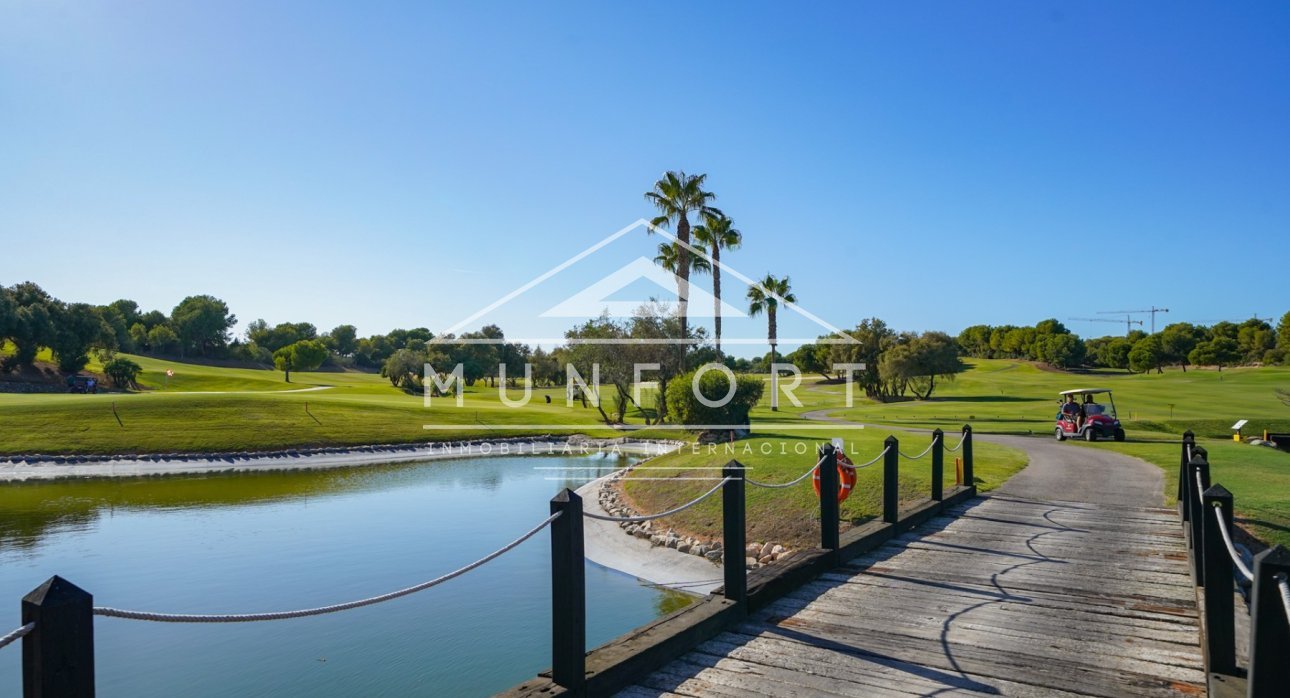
(45, 467)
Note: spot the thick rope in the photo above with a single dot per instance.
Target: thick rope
(925, 452)
(282, 615)
(959, 445)
(1200, 487)
(1285, 594)
(782, 485)
(669, 512)
(19, 633)
(1231, 549)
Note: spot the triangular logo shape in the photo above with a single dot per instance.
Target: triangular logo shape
(594, 299)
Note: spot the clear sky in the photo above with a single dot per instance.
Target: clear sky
(403, 164)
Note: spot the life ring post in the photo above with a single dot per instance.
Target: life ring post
(828, 473)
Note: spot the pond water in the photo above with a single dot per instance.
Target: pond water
(275, 541)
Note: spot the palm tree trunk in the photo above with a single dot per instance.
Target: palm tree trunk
(774, 375)
(683, 276)
(716, 293)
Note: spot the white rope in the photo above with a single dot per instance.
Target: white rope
(959, 445)
(282, 615)
(925, 451)
(21, 632)
(875, 459)
(1200, 487)
(780, 486)
(1227, 540)
(1285, 594)
(669, 512)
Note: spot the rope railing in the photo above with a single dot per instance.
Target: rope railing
(958, 445)
(782, 485)
(321, 610)
(1231, 549)
(925, 451)
(651, 517)
(16, 634)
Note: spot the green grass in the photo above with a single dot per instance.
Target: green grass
(791, 516)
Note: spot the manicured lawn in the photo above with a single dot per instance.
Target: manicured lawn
(791, 515)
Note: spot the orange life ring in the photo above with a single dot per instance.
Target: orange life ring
(846, 478)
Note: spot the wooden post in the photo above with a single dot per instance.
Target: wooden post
(1220, 623)
(938, 465)
(733, 545)
(58, 654)
(969, 480)
(568, 594)
(1269, 626)
(891, 480)
(1198, 465)
(828, 497)
(1188, 442)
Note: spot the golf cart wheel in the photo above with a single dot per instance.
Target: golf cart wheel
(1061, 435)
(1090, 434)
(1119, 435)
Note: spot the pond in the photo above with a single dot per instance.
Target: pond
(287, 540)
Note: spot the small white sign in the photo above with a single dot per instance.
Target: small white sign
(1240, 424)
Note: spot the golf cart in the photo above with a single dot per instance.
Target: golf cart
(82, 384)
(1081, 416)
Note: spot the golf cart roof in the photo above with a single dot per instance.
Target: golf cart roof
(1083, 391)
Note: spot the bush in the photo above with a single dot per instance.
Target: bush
(122, 372)
(685, 408)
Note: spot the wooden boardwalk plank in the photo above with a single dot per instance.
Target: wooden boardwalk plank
(1002, 596)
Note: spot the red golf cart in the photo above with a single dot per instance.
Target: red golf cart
(1082, 416)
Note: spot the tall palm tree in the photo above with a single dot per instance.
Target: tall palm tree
(676, 195)
(717, 232)
(766, 296)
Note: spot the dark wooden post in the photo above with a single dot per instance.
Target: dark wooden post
(1269, 626)
(733, 544)
(1188, 442)
(891, 480)
(58, 654)
(1220, 623)
(938, 465)
(828, 497)
(969, 480)
(568, 594)
(1200, 465)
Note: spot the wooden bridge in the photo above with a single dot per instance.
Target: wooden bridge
(999, 596)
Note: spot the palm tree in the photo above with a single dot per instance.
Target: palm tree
(676, 195)
(766, 295)
(669, 256)
(717, 232)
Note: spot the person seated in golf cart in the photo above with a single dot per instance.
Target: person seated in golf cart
(1071, 410)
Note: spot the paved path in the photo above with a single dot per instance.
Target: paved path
(1069, 580)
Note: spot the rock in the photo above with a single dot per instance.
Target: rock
(714, 555)
(699, 550)
(750, 561)
(765, 559)
(683, 548)
(766, 550)
(656, 539)
(753, 549)
(716, 545)
(778, 550)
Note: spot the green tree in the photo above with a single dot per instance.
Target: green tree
(344, 339)
(305, 355)
(765, 296)
(163, 340)
(717, 233)
(1283, 333)
(1116, 353)
(1255, 338)
(404, 368)
(202, 324)
(975, 341)
(78, 327)
(1220, 351)
(1063, 350)
(1177, 340)
(676, 195)
(31, 324)
(1147, 354)
(123, 372)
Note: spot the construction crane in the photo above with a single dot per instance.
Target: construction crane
(1129, 322)
(1153, 310)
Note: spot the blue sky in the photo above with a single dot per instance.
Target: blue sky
(403, 164)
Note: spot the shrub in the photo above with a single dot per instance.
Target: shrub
(685, 408)
(122, 372)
